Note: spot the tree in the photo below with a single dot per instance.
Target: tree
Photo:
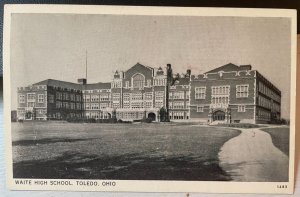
(163, 115)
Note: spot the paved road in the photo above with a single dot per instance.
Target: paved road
(251, 156)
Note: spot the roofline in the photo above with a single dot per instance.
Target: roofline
(268, 81)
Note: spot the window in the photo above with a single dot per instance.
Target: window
(178, 105)
(116, 105)
(170, 105)
(148, 104)
(21, 98)
(30, 97)
(78, 106)
(187, 94)
(220, 90)
(65, 96)
(87, 106)
(126, 97)
(86, 98)
(40, 98)
(159, 95)
(220, 99)
(242, 91)
(51, 98)
(200, 92)
(178, 95)
(58, 95)
(116, 84)
(72, 105)
(78, 98)
(170, 95)
(58, 104)
(136, 105)
(30, 104)
(241, 108)
(200, 109)
(104, 105)
(138, 81)
(104, 97)
(148, 96)
(95, 106)
(127, 84)
(159, 82)
(94, 98)
(66, 105)
(116, 97)
(159, 104)
(187, 105)
(178, 115)
(72, 97)
(137, 96)
(126, 104)
(149, 82)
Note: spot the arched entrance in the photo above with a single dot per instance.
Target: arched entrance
(219, 115)
(152, 116)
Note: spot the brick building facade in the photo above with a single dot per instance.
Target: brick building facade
(226, 94)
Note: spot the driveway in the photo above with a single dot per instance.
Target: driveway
(252, 157)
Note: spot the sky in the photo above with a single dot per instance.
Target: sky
(54, 46)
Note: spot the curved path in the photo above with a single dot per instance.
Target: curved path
(251, 156)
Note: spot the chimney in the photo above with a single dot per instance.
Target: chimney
(245, 67)
(82, 81)
(169, 67)
(188, 73)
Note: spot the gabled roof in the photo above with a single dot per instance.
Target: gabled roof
(140, 65)
(230, 67)
(62, 84)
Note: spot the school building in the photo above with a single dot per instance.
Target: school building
(227, 94)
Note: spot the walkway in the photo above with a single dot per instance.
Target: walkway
(251, 156)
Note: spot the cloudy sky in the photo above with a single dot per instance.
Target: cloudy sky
(53, 46)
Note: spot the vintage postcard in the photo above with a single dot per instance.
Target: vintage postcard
(149, 99)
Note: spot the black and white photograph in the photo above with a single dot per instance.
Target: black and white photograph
(112, 96)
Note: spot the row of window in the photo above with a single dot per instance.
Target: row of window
(96, 98)
(179, 105)
(92, 106)
(67, 96)
(264, 115)
(68, 105)
(96, 91)
(242, 91)
(96, 115)
(179, 115)
(31, 98)
(130, 115)
(138, 96)
(179, 95)
(217, 90)
(267, 91)
(139, 104)
(241, 108)
(264, 102)
(220, 99)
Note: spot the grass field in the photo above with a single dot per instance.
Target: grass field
(280, 138)
(118, 151)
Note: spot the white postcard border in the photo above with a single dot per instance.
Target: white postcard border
(143, 185)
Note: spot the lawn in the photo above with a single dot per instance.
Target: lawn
(118, 151)
(280, 138)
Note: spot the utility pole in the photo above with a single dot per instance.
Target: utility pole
(86, 70)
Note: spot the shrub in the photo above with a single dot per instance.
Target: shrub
(147, 120)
